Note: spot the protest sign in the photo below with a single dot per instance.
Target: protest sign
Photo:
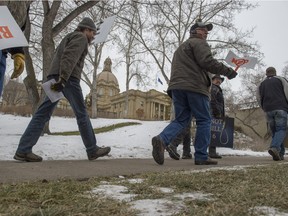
(222, 132)
(10, 33)
(247, 62)
(104, 30)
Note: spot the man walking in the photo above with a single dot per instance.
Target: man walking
(66, 67)
(217, 108)
(189, 87)
(273, 92)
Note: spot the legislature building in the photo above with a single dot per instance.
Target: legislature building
(150, 105)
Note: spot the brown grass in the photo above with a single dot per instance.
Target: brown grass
(232, 192)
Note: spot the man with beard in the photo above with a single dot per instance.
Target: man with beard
(66, 68)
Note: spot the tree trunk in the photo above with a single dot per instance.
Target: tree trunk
(30, 81)
(94, 87)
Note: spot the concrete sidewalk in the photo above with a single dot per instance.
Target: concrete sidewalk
(15, 172)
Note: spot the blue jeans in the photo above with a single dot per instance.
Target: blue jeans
(277, 120)
(73, 93)
(189, 104)
(2, 70)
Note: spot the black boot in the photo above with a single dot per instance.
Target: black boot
(213, 154)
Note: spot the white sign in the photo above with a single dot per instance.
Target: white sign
(10, 33)
(247, 62)
(52, 95)
(104, 29)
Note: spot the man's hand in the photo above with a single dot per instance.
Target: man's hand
(231, 74)
(19, 62)
(58, 86)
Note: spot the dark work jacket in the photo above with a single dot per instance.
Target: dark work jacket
(190, 67)
(272, 96)
(69, 57)
(217, 102)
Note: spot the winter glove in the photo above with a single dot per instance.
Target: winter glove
(19, 62)
(231, 74)
(58, 86)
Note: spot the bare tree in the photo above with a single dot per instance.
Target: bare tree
(164, 25)
(130, 48)
(285, 71)
(243, 104)
(103, 10)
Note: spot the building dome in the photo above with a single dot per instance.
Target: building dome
(106, 76)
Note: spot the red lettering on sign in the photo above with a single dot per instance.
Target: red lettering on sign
(5, 32)
(239, 62)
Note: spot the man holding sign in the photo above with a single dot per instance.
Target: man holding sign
(189, 88)
(19, 11)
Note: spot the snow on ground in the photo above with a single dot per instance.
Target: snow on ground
(127, 142)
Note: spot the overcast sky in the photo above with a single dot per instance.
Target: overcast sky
(270, 21)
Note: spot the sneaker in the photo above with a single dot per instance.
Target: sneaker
(215, 155)
(100, 152)
(274, 153)
(158, 150)
(206, 162)
(28, 157)
(172, 150)
(186, 156)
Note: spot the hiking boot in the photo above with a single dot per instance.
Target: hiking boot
(100, 152)
(172, 150)
(274, 153)
(206, 162)
(215, 155)
(281, 157)
(158, 150)
(186, 156)
(28, 157)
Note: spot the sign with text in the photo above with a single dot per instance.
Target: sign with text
(247, 62)
(222, 132)
(10, 33)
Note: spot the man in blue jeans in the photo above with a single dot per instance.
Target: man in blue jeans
(66, 67)
(273, 96)
(189, 88)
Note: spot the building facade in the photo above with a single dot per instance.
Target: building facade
(132, 104)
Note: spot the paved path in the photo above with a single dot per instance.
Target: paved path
(15, 172)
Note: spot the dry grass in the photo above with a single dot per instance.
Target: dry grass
(233, 192)
(57, 198)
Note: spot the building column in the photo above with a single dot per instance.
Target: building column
(159, 111)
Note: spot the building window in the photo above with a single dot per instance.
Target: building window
(101, 91)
